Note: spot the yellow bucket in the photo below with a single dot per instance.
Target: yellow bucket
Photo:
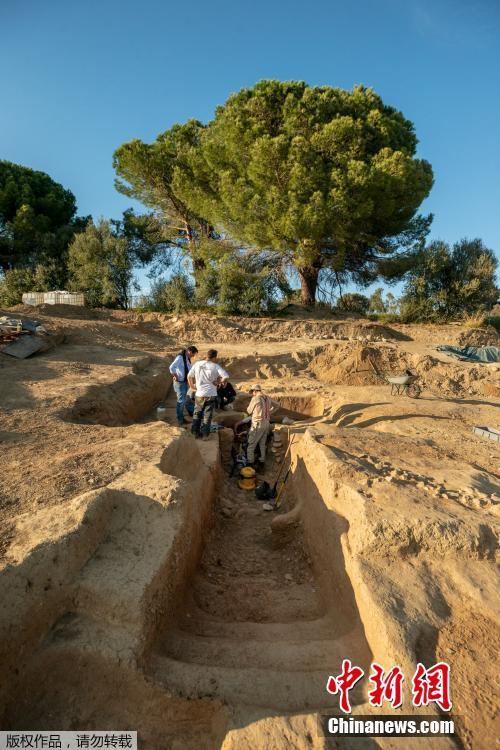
(247, 472)
(247, 484)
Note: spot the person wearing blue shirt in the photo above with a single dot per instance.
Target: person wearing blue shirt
(179, 370)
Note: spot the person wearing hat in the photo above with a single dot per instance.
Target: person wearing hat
(260, 409)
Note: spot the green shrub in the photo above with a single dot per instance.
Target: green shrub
(100, 265)
(494, 321)
(173, 296)
(14, 283)
(385, 317)
(422, 311)
(474, 320)
(377, 304)
(355, 303)
(448, 282)
(234, 284)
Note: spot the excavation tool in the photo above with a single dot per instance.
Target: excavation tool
(277, 502)
(267, 492)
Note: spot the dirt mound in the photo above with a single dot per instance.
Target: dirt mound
(479, 337)
(351, 364)
(196, 327)
(57, 311)
(490, 389)
(365, 331)
(260, 367)
(300, 312)
(451, 379)
(201, 327)
(348, 365)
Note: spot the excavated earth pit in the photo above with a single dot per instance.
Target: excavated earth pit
(148, 623)
(297, 407)
(257, 627)
(134, 632)
(300, 407)
(168, 601)
(126, 400)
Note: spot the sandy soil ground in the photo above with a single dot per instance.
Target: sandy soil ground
(82, 415)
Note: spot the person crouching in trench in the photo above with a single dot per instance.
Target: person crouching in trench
(260, 409)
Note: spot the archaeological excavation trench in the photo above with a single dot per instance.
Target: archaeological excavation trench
(256, 626)
(170, 602)
(124, 401)
(189, 606)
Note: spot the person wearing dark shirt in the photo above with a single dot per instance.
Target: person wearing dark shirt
(225, 395)
(179, 370)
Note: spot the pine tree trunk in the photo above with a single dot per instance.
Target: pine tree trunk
(308, 284)
(198, 266)
(198, 263)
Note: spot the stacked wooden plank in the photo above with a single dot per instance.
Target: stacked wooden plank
(10, 330)
(20, 338)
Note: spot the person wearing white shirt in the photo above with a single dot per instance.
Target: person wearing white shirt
(205, 375)
(179, 370)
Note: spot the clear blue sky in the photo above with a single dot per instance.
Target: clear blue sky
(78, 78)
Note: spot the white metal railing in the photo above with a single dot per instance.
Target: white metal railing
(54, 298)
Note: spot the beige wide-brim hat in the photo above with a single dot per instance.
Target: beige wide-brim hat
(256, 387)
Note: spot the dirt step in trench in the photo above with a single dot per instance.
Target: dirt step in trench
(253, 630)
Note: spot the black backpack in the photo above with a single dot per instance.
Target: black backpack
(264, 491)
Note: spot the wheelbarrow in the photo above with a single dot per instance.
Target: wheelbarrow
(401, 385)
(404, 385)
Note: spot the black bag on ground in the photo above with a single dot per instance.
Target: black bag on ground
(264, 491)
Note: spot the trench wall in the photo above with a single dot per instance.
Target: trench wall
(332, 513)
(123, 401)
(36, 584)
(97, 583)
(296, 407)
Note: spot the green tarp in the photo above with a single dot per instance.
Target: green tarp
(473, 353)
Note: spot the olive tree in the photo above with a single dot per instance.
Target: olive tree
(447, 282)
(100, 265)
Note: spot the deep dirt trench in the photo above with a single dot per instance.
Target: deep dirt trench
(249, 637)
(244, 615)
(254, 628)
